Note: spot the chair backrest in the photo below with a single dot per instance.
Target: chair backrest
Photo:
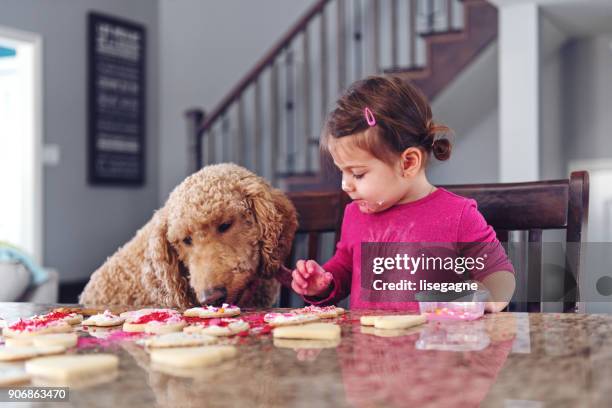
(532, 207)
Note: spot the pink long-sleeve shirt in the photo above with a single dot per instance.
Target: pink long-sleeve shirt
(440, 217)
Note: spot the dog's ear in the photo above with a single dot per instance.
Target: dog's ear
(277, 221)
(162, 277)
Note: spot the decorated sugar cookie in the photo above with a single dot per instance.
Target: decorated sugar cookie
(179, 339)
(225, 310)
(286, 319)
(324, 312)
(35, 326)
(218, 327)
(157, 321)
(106, 319)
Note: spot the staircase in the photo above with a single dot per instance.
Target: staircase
(270, 122)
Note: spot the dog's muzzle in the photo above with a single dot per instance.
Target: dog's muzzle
(214, 297)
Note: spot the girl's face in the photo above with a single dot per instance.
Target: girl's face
(374, 184)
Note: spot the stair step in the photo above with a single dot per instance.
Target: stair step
(446, 33)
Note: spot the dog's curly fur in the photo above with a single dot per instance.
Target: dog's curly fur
(221, 227)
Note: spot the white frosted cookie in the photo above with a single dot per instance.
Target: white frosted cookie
(66, 340)
(225, 310)
(155, 321)
(20, 341)
(12, 374)
(190, 357)
(299, 344)
(179, 340)
(399, 321)
(164, 327)
(314, 331)
(24, 353)
(324, 312)
(367, 320)
(36, 326)
(72, 367)
(388, 332)
(106, 319)
(286, 319)
(224, 327)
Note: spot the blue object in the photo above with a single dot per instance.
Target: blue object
(10, 253)
(7, 52)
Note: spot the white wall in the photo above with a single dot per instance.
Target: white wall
(84, 224)
(469, 106)
(206, 47)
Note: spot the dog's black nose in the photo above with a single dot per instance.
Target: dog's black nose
(215, 297)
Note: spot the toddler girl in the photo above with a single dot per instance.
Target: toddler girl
(381, 136)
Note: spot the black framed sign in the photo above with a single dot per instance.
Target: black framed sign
(116, 101)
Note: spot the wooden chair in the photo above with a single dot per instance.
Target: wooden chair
(532, 207)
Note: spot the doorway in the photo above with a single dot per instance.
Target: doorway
(21, 222)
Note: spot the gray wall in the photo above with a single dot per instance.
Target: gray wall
(469, 106)
(588, 83)
(84, 224)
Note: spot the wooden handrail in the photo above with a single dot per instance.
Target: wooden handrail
(268, 58)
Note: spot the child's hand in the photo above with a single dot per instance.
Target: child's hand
(310, 279)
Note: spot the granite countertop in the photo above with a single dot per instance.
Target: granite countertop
(501, 360)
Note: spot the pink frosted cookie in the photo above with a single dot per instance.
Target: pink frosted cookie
(156, 321)
(218, 327)
(225, 310)
(291, 318)
(36, 325)
(325, 312)
(106, 319)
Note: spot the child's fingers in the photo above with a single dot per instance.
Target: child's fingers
(299, 280)
(325, 280)
(311, 267)
(297, 289)
(301, 268)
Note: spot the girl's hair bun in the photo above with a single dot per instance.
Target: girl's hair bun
(441, 147)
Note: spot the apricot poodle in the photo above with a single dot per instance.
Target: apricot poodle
(221, 237)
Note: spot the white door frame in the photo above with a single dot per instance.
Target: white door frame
(37, 172)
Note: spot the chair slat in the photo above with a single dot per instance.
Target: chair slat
(534, 270)
(313, 245)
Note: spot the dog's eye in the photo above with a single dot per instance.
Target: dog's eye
(224, 227)
(187, 240)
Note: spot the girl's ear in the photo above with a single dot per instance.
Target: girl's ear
(412, 160)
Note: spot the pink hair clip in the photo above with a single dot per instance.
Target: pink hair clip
(369, 116)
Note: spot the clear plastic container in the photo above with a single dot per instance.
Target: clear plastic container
(458, 336)
(467, 306)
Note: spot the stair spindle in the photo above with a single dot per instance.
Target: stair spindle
(449, 14)
(324, 65)
(274, 134)
(375, 44)
(289, 112)
(307, 135)
(358, 36)
(394, 29)
(211, 147)
(341, 51)
(412, 32)
(257, 139)
(225, 138)
(240, 146)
